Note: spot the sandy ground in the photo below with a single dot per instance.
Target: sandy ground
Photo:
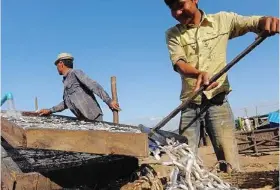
(266, 162)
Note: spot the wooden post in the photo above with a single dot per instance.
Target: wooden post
(36, 104)
(114, 98)
(255, 142)
(246, 112)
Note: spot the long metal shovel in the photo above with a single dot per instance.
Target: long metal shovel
(202, 88)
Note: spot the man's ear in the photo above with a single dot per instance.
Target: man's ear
(195, 1)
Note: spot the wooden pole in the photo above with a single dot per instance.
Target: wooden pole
(246, 112)
(114, 98)
(36, 104)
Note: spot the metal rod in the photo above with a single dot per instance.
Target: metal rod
(202, 88)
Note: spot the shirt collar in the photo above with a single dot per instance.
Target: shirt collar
(206, 18)
(65, 76)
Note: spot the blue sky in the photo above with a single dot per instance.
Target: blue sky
(125, 39)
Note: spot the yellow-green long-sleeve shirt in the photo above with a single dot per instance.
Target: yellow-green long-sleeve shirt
(204, 47)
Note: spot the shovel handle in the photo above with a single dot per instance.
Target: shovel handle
(259, 40)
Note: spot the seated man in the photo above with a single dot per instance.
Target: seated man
(79, 92)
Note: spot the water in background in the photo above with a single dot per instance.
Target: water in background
(11, 109)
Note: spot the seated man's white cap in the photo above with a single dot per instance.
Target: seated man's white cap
(62, 56)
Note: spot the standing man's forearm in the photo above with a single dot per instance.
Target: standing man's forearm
(189, 71)
(186, 69)
(240, 25)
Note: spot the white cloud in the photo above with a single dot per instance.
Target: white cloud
(155, 118)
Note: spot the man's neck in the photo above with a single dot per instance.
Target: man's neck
(197, 18)
(66, 71)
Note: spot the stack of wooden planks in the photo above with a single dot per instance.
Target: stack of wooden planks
(38, 157)
(128, 142)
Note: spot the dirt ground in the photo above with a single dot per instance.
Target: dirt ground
(265, 162)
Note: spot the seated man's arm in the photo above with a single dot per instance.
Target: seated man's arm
(58, 108)
(96, 88)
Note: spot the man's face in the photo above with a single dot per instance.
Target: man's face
(59, 67)
(184, 10)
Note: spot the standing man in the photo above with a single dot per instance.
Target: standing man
(197, 48)
(79, 92)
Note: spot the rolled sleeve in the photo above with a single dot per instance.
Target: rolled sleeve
(176, 51)
(240, 25)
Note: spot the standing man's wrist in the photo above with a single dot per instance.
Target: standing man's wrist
(197, 73)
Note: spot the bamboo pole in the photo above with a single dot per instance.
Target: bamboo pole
(114, 98)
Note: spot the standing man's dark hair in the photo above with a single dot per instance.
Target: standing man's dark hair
(171, 3)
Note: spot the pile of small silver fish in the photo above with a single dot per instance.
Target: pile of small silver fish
(57, 122)
(188, 172)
